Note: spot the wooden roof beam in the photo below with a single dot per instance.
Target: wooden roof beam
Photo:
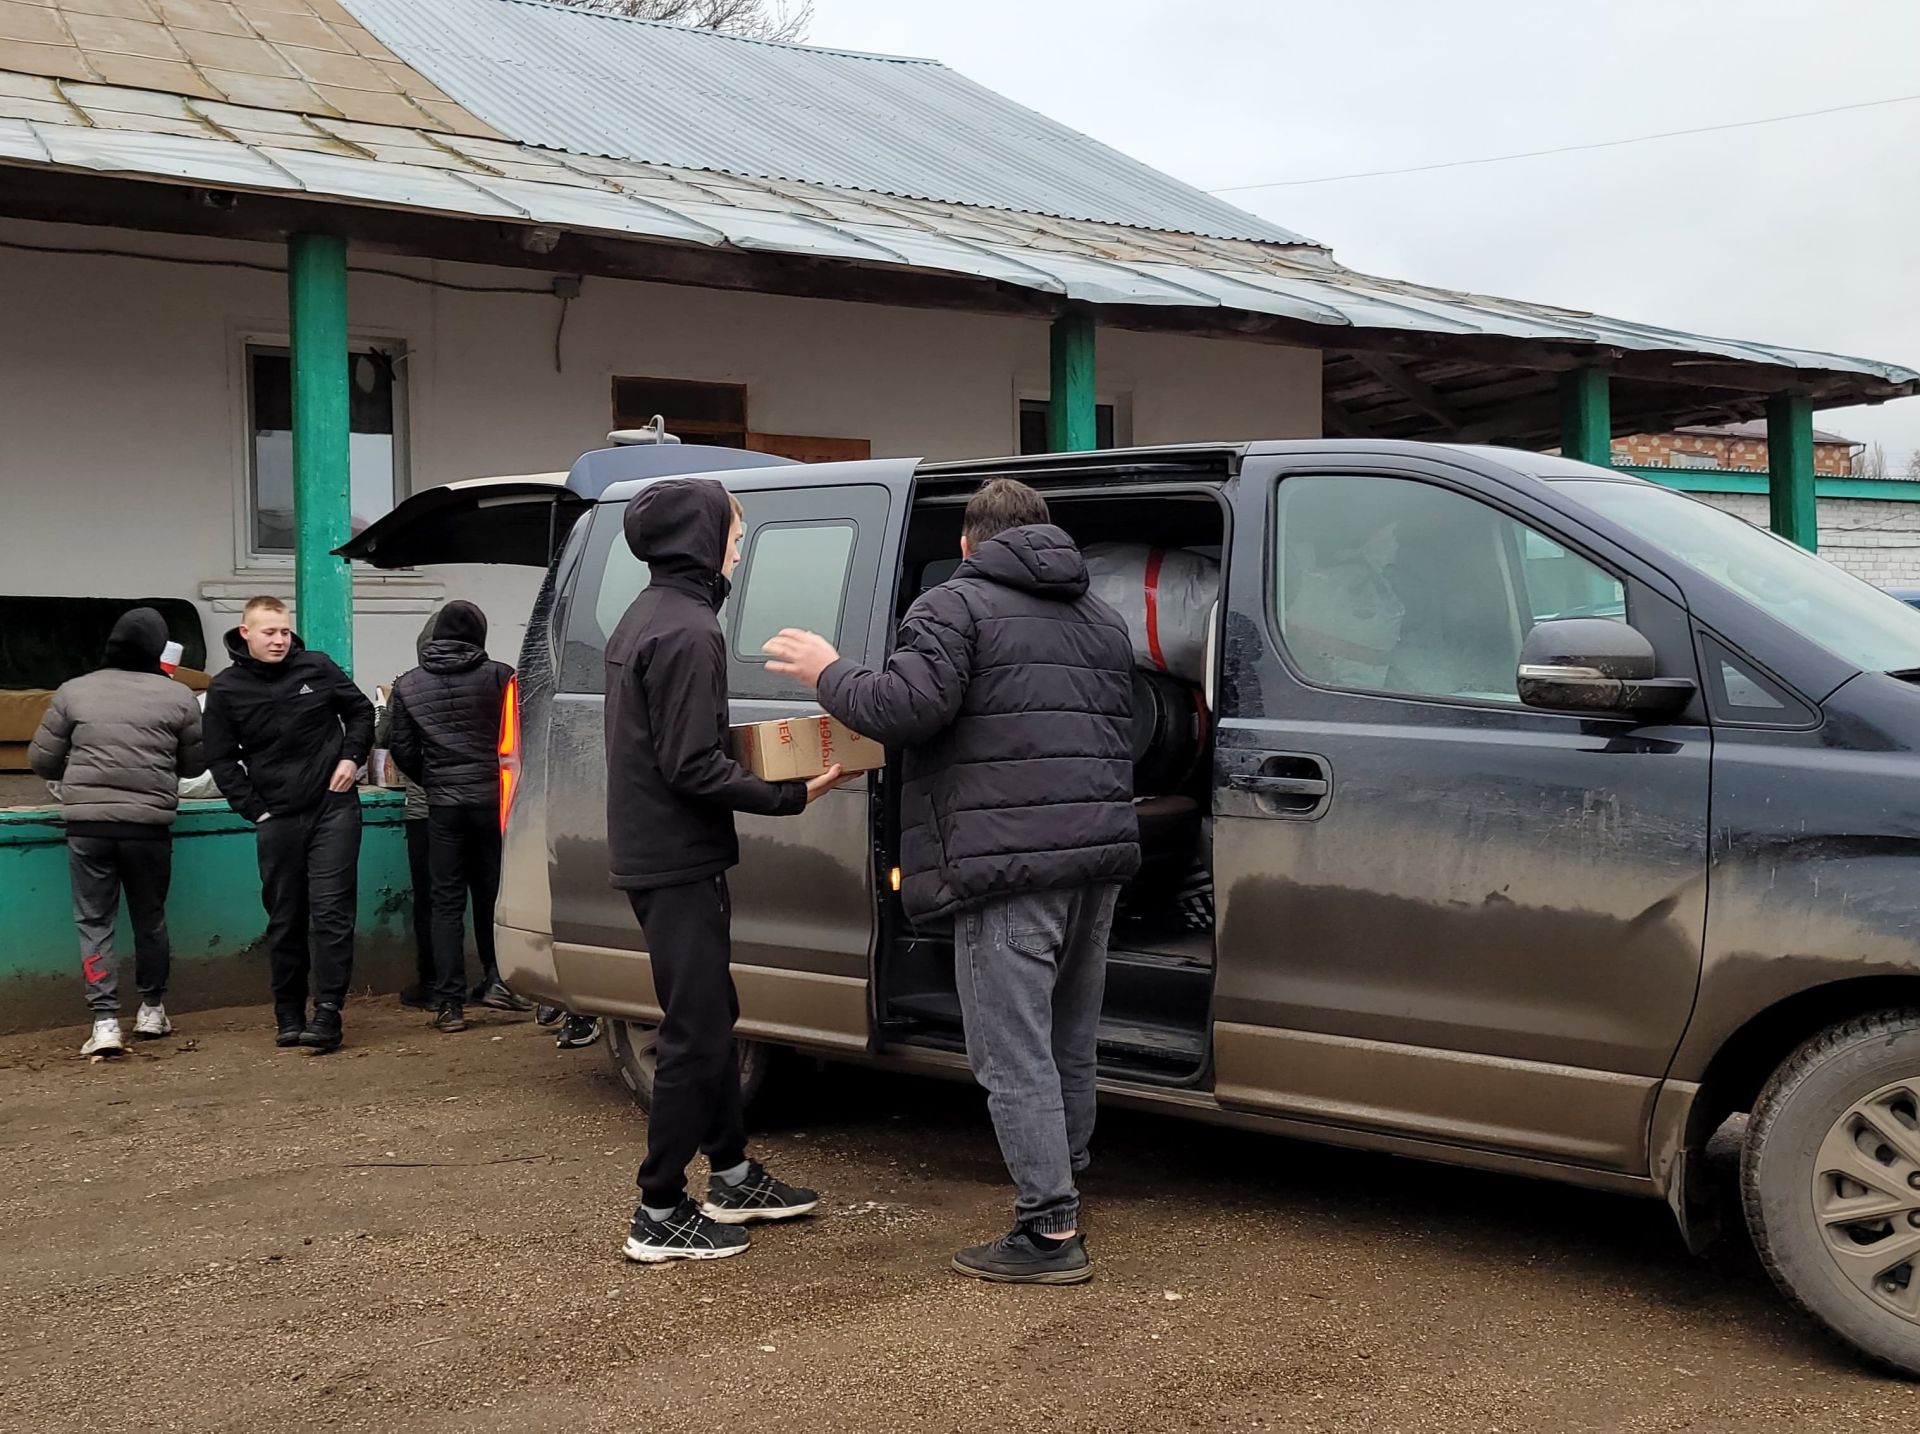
(1412, 388)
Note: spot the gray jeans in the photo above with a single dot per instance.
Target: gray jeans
(101, 869)
(1031, 971)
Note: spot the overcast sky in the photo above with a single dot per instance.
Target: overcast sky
(1805, 233)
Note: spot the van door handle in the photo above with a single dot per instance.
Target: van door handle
(1266, 786)
(1296, 786)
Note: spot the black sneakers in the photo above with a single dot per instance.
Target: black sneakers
(577, 1032)
(323, 1029)
(1024, 1258)
(758, 1197)
(686, 1234)
(288, 1023)
(496, 997)
(452, 1017)
(547, 1015)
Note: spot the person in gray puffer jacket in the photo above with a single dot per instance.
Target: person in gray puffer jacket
(118, 741)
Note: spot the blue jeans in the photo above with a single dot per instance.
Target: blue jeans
(1031, 971)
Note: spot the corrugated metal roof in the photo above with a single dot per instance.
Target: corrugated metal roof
(1756, 428)
(597, 84)
(100, 129)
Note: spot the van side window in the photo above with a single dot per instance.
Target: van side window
(1391, 585)
(1740, 693)
(793, 575)
(610, 578)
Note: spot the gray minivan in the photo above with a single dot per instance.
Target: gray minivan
(1525, 815)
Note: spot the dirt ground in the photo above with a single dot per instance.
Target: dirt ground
(422, 1232)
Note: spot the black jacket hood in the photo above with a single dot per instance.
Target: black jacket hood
(459, 642)
(1039, 559)
(137, 641)
(678, 528)
(237, 650)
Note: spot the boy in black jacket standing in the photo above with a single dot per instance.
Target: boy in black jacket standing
(446, 729)
(286, 732)
(672, 790)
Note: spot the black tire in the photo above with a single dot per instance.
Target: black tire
(631, 1045)
(1846, 1104)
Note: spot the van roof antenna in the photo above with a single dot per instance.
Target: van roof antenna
(654, 432)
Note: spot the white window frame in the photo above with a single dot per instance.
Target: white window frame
(247, 561)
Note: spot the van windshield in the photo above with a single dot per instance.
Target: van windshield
(1851, 619)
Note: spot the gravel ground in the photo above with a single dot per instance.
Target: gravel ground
(422, 1232)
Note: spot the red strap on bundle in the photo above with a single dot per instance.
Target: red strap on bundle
(1154, 558)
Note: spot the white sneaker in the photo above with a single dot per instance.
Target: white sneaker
(152, 1023)
(105, 1040)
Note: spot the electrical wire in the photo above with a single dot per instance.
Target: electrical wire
(1569, 148)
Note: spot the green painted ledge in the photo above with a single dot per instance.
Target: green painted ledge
(1707, 480)
(214, 915)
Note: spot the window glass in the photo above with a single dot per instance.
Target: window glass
(1851, 619)
(376, 439)
(1389, 585)
(795, 575)
(1033, 426)
(1744, 691)
(610, 579)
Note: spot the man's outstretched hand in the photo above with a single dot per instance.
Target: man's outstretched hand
(800, 655)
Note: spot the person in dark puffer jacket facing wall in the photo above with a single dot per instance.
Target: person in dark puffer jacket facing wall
(1010, 691)
(117, 742)
(446, 732)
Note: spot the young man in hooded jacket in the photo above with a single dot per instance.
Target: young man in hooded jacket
(1010, 693)
(118, 741)
(286, 734)
(446, 731)
(672, 789)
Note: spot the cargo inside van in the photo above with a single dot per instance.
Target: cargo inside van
(1157, 555)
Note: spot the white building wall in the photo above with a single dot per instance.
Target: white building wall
(1870, 538)
(123, 443)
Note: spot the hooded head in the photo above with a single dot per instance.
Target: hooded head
(1040, 559)
(681, 528)
(461, 622)
(459, 639)
(137, 641)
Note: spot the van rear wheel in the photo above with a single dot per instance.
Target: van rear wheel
(1830, 1178)
(632, 1046)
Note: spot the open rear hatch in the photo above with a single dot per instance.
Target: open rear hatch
(519, 521)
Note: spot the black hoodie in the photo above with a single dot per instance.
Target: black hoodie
(672, 783)
(1010, 691)
(446, 713)
(276, 730)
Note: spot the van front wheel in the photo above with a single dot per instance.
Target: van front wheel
(632, 1046)
(1831, 1182)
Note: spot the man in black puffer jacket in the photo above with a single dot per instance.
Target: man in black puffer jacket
(1010, 690)
(446, 735)
(286, 733)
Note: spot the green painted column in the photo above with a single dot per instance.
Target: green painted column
(1790, 495)
(322, 494)
(1586, 417)
(1071, 405)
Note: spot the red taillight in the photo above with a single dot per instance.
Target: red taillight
(509, 750)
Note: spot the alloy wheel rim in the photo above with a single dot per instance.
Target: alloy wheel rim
(1866, 1197)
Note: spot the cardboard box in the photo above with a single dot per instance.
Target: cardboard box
(795, 747)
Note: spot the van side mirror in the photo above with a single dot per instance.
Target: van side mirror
(1594, 664)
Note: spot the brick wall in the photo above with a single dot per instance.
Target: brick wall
(1870, 538)
(1657, 450)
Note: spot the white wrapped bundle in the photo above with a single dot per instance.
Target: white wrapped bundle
(1165, 595)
